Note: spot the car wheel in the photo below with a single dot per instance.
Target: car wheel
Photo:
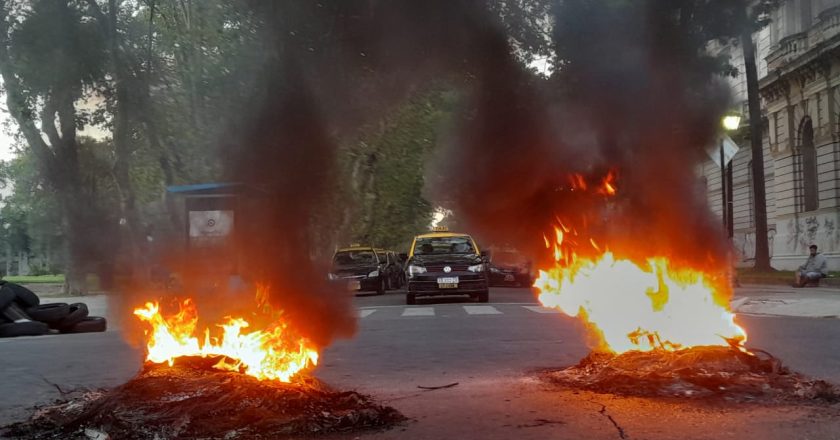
(88, 325)
(78, 313)
(410, 299)
(484, 297)
(25, 328)
(49, 313)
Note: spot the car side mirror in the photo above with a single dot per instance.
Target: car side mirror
(485, 255)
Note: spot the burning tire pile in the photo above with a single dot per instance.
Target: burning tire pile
(22, 314)
(248, 381)
(699, 372)
(193, 400)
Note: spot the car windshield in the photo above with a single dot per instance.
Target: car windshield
(444, 245)
(354, 258)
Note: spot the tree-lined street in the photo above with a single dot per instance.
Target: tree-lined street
(215, 177)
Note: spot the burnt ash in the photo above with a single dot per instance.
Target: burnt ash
(192, 400)
(695, 373)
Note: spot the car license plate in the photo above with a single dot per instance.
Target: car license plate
(354, 285)
(509, 277)
(448, 282)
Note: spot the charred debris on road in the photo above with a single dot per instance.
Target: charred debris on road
(706, 372)
(192, 400)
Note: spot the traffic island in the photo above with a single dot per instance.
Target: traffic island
(704, 372)
(191, 399)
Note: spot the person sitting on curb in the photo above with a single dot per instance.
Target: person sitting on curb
(815, 267)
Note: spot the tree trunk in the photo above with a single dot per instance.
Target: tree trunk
(762, 251)
(131, 232)
(58, 161)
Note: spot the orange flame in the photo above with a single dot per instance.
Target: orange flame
(608, 184)
(274, 353)
(633, 305)
(637, 306)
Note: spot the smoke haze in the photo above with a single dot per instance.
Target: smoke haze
(631, 95)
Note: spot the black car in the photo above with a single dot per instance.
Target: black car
(446, 264)
(362, 269)
(510, 268)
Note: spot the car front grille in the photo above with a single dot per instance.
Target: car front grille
(454, 267)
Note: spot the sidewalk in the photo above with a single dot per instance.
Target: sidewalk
(771, 300)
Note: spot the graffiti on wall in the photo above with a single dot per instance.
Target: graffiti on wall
(745, 244)
(815, 229)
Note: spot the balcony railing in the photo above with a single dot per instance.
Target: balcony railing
(788, 48)
(827, 26)
(792, 46)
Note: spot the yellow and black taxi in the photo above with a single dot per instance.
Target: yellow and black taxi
(446, 263)
(361, 268)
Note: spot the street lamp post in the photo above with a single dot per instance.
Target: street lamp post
(723, 193)
(730, 224)
(730, 123)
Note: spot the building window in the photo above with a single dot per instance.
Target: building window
(807, 166)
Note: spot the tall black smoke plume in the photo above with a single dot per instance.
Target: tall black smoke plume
(332, 67)
(632, 92)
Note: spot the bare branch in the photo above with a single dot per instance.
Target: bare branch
(15, 98)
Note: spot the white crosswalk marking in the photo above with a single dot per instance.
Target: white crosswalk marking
(366, 312)
(419, 311)
(540, 309)
(481, 310)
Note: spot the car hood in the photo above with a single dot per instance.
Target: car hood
(446, 259)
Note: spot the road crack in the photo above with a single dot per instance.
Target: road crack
(603, 412)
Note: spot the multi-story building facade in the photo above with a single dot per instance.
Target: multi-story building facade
(798, 58)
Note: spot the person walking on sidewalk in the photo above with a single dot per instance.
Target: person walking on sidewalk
(815, 267)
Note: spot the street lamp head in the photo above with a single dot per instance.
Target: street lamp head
(731, 122)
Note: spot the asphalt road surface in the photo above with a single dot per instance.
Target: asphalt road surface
(492, 351)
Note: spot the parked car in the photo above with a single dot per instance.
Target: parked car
(362, 268)
(508, 267)
(446, 263)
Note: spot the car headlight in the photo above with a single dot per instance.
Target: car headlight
(373, 274)
(476, 268)
(415, 270)
(332, 276)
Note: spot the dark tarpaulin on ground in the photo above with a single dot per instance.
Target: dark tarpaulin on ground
(192, 400)
(699, 372)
